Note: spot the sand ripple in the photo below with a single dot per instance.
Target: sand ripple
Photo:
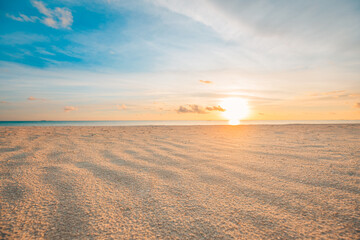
(183, 182)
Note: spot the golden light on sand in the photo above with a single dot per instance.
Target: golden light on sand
(235, 109)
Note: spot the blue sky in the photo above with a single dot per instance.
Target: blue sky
(143, 59)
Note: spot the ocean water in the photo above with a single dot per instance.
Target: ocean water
(169, 123)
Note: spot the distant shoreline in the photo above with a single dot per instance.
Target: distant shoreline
(171, 123)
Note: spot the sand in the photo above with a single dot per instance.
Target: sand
(180, 182)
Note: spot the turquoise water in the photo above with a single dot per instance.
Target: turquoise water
(168, 123)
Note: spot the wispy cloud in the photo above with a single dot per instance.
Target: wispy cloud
(333, 95)
(260, 26)
(121, 107)
(20, 38)
(205, 81)
(31, 98)
(193, 108)
(23, 18)
(69, 108)
(44, 52)
(56, 18)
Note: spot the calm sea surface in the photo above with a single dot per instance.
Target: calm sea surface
(168, 123)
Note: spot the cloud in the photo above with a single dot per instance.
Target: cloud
(121, 107)
(23, 18)
(69, 108)
(357, 105)
(20, 38)
(206, 82)
(264, 30)
(215, 108)
(31, 98)
(56, 18)
(233, 19)
(193, 108)
(44, 52)
(331, 93)
(4, 102)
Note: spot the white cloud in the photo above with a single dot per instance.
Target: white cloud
(56, 18)
(234, 19)
(279, 33)
(44, 52)
(65, 17)
(41, 8)
(23, 18)
(207, 13)
(19, 38)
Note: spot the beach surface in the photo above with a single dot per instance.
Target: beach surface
(180, 182)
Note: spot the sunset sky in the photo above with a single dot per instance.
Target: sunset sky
(179, 59)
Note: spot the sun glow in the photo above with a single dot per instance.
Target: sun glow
(235, 109)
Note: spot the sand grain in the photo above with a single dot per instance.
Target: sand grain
(180, 182)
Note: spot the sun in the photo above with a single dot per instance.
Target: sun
(236, 109)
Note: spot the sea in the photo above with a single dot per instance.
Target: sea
(170, 123)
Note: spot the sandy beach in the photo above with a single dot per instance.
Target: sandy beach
(180, 182)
